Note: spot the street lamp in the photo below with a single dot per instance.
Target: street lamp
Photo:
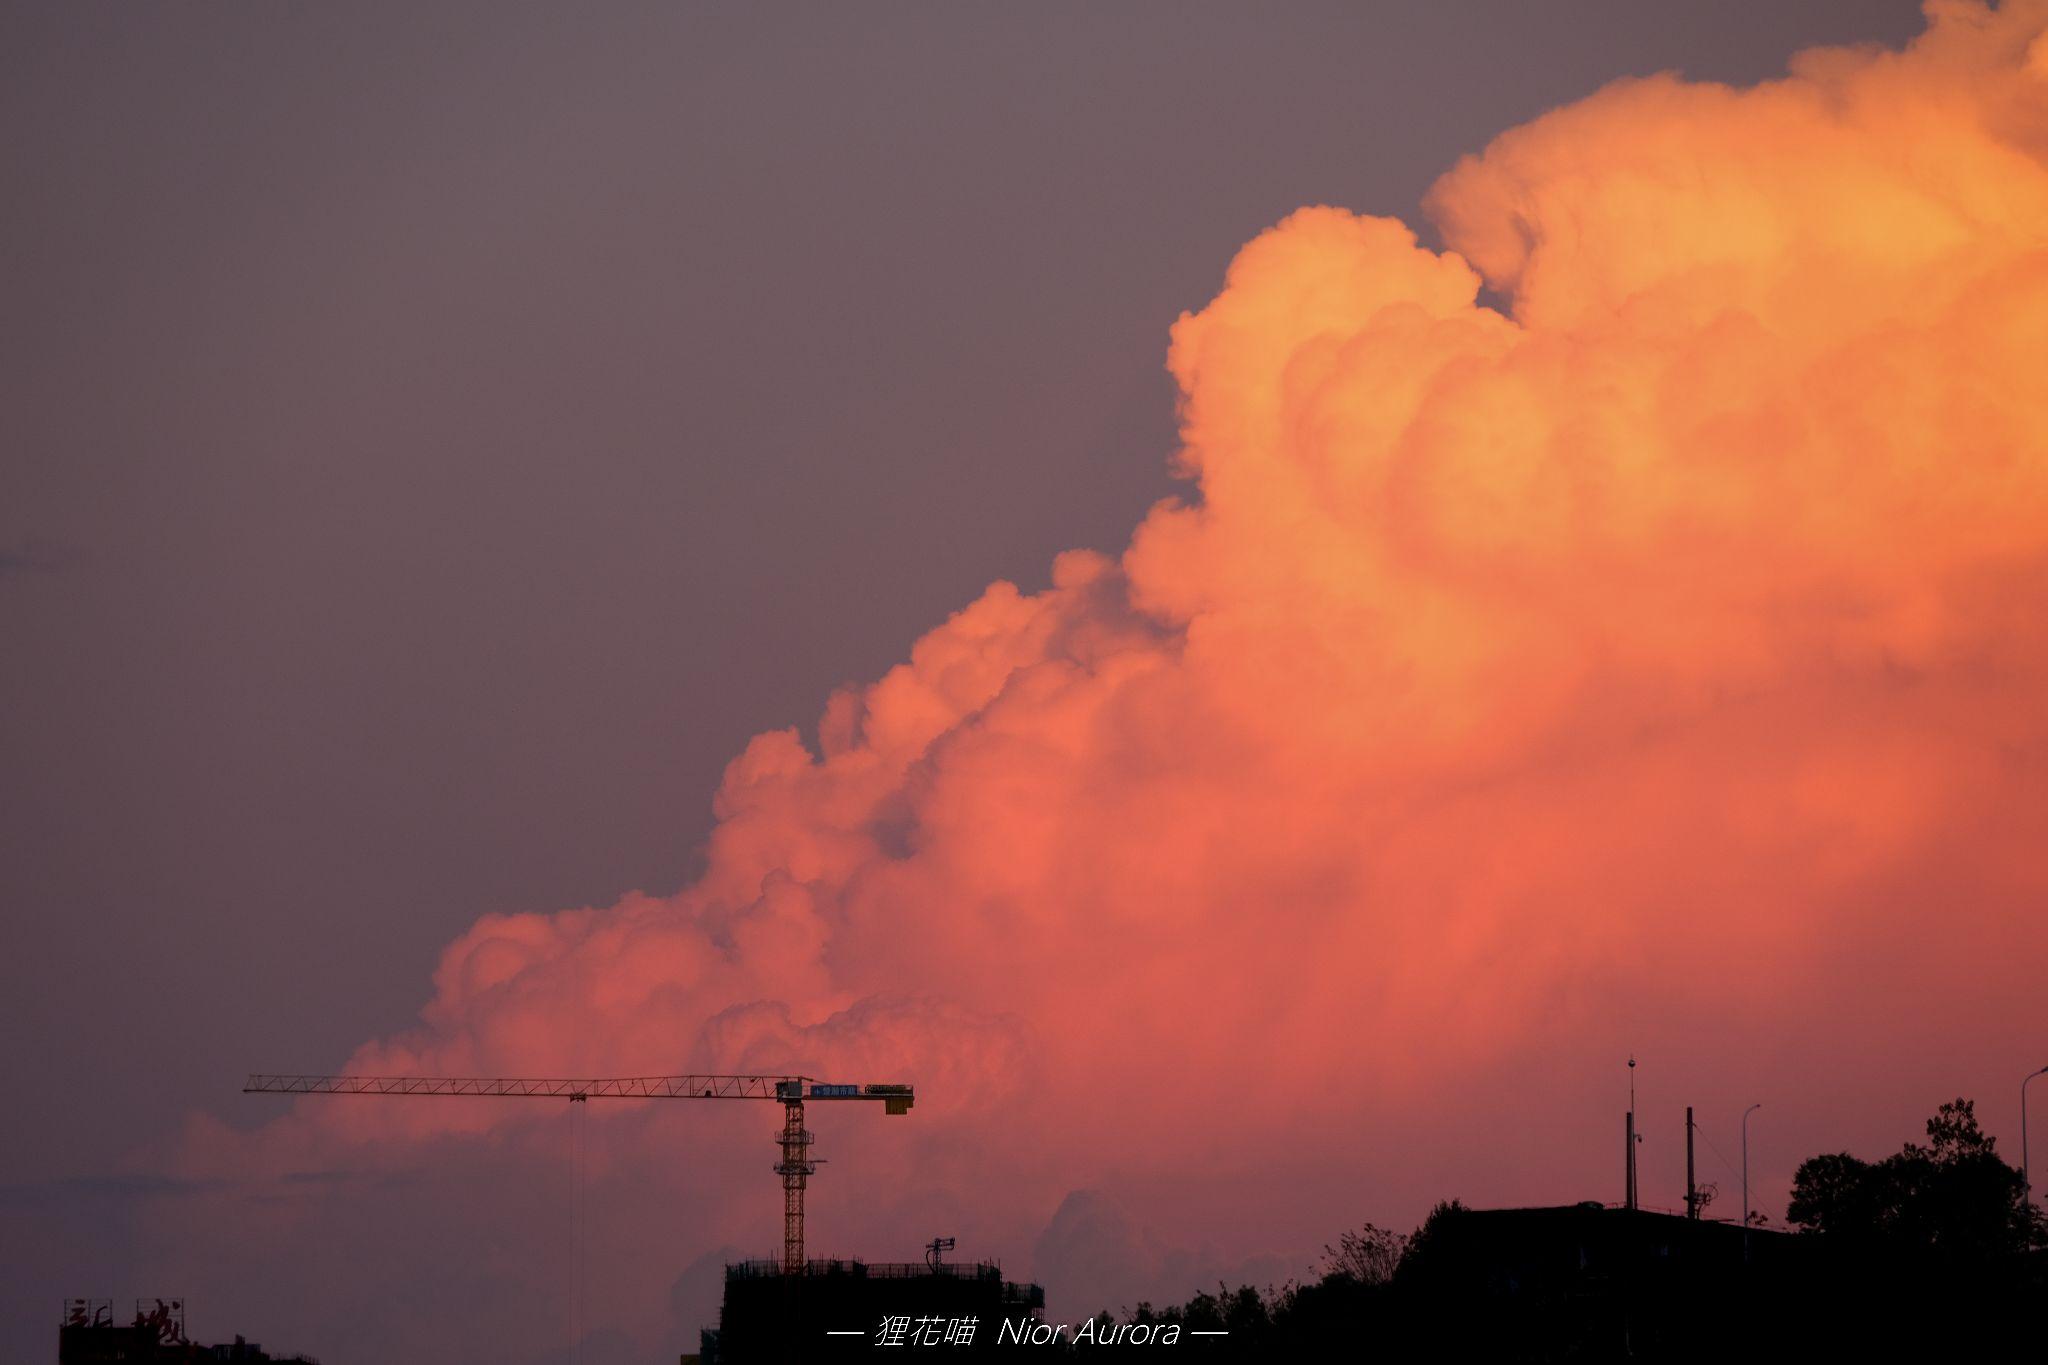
(1745, 1171)
(2026, 1179)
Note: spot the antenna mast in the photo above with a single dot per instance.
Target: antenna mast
(1629, 1198)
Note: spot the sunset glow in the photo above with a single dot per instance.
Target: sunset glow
(1618, 624)
(1597, 641)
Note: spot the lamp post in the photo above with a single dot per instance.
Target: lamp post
(1745, 1173)
(2026, 1176)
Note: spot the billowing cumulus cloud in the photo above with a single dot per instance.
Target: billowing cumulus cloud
(1655, 663)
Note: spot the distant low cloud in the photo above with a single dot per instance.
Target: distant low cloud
(1094, 1255)
(75, 1191)
(28, 558)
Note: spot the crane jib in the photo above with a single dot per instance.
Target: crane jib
(896, 1099)
(793, 1092)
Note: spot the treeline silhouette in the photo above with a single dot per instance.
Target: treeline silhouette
(1935, 1251)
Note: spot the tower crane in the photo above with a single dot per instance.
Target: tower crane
(796, 1166)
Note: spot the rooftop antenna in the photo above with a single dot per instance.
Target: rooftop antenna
(934, 1247)
(1629, 1200)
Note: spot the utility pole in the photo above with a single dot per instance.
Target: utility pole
(1745, 1179)
(2026, 1172)
(1628, 1168)
(1692, 1189)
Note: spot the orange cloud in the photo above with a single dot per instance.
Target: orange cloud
(1657, 664)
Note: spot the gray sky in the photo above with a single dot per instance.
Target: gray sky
(434, 438)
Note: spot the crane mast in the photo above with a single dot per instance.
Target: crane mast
(796, 1166)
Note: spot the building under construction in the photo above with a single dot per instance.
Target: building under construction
(88, 1334)
(835, 1309)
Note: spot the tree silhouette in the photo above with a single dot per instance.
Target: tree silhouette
(1914, 1256)
(1370, 1255)
(1952, 1201)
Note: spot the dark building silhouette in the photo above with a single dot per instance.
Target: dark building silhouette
(1591, 1248)
(1585, 1281)
(242, 1352)
(837, 1309)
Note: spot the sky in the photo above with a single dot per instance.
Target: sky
(881, 541)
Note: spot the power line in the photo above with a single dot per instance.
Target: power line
(1726, 1164)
